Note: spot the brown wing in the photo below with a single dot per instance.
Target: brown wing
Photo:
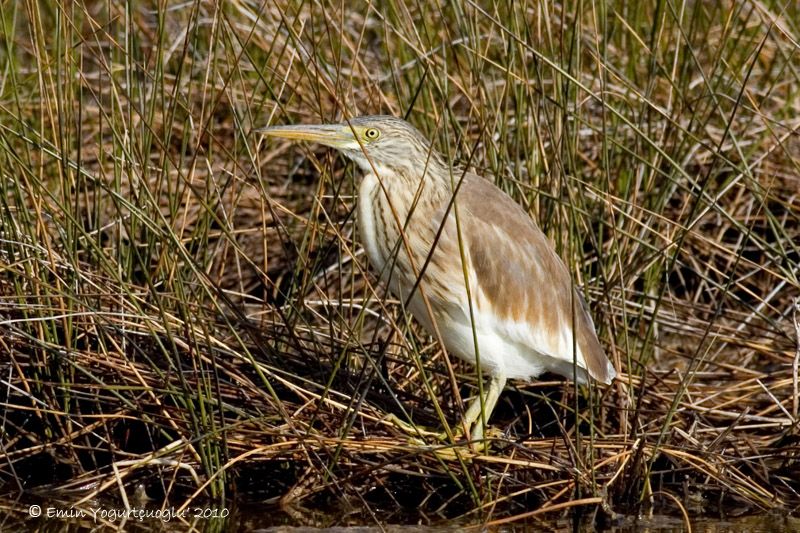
(525, 283)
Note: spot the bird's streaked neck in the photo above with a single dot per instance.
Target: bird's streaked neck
(431, 170)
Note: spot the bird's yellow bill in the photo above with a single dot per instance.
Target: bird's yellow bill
(334, 135)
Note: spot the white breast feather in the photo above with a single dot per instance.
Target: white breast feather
(367, 190)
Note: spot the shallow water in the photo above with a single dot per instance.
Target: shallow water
(37, 514)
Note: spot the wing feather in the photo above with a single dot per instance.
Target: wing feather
(520, 280)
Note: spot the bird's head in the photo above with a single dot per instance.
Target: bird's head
(376, 143)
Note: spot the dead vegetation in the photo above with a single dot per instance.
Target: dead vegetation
(186, 313)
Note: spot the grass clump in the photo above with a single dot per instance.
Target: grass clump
(186, 314)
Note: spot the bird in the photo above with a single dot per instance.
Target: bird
(473, 267)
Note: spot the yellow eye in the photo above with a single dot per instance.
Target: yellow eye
(371, 134)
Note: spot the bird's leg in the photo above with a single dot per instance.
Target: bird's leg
(472, 421)
(472, 418)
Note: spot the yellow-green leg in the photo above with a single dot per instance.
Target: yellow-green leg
(472, 418)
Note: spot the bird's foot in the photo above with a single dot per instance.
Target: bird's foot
(415, 432)
(456, 443)
(492, 433)
(481, 441)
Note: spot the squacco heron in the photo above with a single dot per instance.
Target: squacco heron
(525, 317)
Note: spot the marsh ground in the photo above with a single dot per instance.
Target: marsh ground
(186, 315)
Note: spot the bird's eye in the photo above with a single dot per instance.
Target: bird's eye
(371, 134)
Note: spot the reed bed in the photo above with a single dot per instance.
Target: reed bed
(187, 318)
